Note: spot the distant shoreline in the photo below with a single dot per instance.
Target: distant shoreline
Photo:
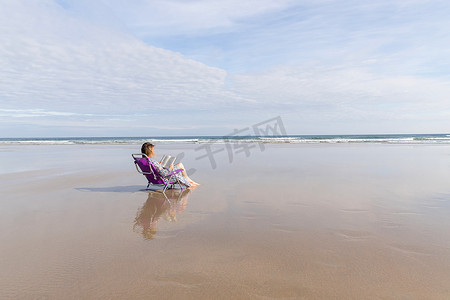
(277, 139)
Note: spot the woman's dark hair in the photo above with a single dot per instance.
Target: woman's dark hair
(147, 149)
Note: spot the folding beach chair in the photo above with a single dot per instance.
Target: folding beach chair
(145, 167)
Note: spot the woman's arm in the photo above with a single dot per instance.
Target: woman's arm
(161, 170)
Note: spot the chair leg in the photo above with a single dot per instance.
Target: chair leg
(181, 186)
(165, 196)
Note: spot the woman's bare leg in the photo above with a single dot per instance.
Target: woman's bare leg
(181, 166)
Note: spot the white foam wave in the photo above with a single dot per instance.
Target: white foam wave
(38, 142)
(438, 138)
(174, 141)
(237, 140)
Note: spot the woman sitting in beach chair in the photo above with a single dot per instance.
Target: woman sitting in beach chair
(148, 149)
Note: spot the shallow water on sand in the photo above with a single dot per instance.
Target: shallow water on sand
(293, 221)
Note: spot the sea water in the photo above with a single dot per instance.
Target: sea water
(290, 139)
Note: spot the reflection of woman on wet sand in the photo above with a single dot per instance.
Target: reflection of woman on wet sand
(158, 206)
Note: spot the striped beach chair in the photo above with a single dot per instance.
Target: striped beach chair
(145, 167)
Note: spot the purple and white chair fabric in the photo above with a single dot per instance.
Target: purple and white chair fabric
(145, 167)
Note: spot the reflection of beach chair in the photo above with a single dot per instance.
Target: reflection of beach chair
(159, 205)
(145, 167)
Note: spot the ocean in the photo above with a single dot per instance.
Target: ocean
(271, 139)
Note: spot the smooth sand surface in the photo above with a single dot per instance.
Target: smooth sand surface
(291, 222)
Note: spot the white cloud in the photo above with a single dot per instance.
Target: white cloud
(348, 93)
(162, 17)
(73, 67)
(27, 113)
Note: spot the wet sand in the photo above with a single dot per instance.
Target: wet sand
(292, 222)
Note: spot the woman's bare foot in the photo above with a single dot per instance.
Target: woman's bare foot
(194, 183)
(192, 187)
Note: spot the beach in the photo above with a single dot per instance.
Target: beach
(284, 221)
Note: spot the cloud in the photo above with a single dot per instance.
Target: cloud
(162, 17)
(80, 66)
(403, 36)
(29, 113)
(71, 65)
(344, 93)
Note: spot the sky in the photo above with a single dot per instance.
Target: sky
(73, 68)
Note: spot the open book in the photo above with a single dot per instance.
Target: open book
(167, 160)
